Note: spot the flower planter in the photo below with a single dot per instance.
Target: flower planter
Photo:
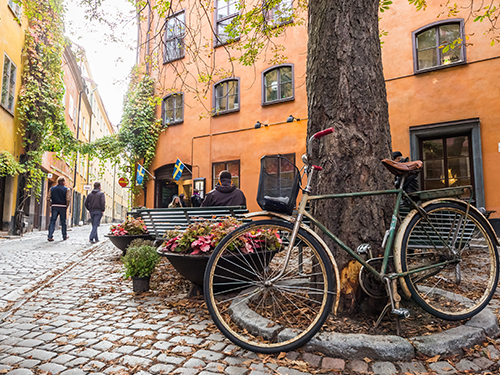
(122, 242)
(140, 284)
(192, 267)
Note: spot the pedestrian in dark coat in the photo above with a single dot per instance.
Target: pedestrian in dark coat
(59, 198)
(181, 199)
(96, 204)
(225, 193)
(195, 198)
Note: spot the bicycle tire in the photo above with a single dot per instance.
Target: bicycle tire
(462, 287)
(255, 313)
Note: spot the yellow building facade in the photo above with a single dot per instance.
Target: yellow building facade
(12, 28)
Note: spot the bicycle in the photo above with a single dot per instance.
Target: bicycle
(270, 284)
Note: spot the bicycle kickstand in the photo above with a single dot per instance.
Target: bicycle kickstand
(395, 298)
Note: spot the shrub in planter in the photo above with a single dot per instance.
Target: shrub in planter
(131, 226)
(141, 259)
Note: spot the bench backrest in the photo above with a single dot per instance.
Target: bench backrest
(159, 220)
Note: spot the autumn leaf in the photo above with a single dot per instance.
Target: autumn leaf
(282, 355)
(433, 359)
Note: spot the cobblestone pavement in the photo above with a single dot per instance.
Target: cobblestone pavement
(86, 320)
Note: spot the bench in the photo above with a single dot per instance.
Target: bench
(159, 220)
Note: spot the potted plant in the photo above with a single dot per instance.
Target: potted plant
(189, 251)
(139, 263)
(121, 235)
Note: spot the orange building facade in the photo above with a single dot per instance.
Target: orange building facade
(441, 100)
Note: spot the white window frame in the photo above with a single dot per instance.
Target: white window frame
(8, 93)
(17, 9)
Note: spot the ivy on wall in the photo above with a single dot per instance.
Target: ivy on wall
(9, 166)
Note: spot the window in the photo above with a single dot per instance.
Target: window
(226, 13)
(16, 9)
(226, 96)
(173, 109)
(439, 46)
(8, 84)
(175, 29)
(231, 166)
(277, 84)
(284, 170)
(279, 14)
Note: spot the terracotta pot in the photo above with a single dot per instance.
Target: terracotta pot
(122, 242)
(192, 267)
(140, 284)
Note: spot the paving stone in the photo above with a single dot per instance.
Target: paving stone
(126, 349)
(11, 360)
(5, 367)
(29, 363)
(103, 345)
(208, 355)
(65, 348)
(442, 368)
(47, 337)
(30, 343)
(217, 367)
(186, 371)
(132, 360)
(384, 368)
(494, 353)
(16, 350)
(89, 353)
(75, 371)
(108, 356)
(53, 368)
(113, 369)
(93, 366)
(77, 362)
(161, 369)
(466, 365)
(21, 371)
(187, 339)
(63, 358)
(292, 356)
(312, 359)
(146, 353)
(483, 362)
(182, 349)
(233, 370)
(289, 371)
(42, 355)
(194, 362)
(411, 367)
(333, 363)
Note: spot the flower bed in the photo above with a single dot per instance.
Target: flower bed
(131, 226)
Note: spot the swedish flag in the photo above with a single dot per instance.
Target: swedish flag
(140, 174)
(178, 168)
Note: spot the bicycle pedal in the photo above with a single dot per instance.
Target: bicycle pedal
(401, 312)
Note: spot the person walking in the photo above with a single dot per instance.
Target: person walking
(195, 198)
(181, 199)
(225, 193)
(59, 198)
(96, 205)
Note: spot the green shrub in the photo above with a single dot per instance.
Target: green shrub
(140, 260)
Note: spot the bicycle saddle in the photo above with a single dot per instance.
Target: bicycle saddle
(402, 169)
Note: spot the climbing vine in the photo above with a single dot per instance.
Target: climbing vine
(9, 166)
(40, 105)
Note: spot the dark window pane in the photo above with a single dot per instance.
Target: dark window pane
(286, 74)
(433, 168)
(427, 58)
(426, 39)
(451, 56)
(449, 33)
(433, 184)
(271, 165)
(286, 90)
(433, 149)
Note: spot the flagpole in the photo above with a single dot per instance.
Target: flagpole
(147, 171)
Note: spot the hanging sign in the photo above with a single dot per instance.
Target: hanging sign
(123, 182)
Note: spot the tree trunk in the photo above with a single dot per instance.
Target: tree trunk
(346, 91)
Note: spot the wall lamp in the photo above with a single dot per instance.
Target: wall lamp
(258, 125)
(292, 119)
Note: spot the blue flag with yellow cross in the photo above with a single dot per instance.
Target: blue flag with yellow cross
(178, 168)
(140, 174)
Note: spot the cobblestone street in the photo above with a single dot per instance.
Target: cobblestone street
(81, 317)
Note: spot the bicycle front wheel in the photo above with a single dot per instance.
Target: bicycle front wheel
(260, 299)
(451, 259)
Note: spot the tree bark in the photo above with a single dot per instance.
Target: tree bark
(346, 91)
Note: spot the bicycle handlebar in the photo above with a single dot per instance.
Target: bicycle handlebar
(322, 133)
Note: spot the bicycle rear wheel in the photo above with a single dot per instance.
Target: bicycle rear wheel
(458, 259)
(252, 309)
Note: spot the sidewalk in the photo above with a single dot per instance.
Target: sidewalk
(86, 320)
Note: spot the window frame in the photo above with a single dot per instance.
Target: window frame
(163, 108)
(263, 85)
(11, 81)
(165, 40)
(215, 178)
(436, 25)
(217, 41)
(272, 23)
(16, 9)
(214, 97)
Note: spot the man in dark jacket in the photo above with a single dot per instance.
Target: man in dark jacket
(195, 198)
(59, 198)
(96, 204)
(225, 193)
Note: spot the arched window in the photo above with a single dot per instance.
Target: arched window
(226, 96)
(439, 45)
(277, 84)
(173, 109)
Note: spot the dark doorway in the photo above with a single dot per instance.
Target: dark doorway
(166, 187)
(165, 193)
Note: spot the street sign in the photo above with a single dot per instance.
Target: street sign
(49, 175)
(123, 182)
(87, 187)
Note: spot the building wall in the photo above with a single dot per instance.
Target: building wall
(449, 95)
(11, 43)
